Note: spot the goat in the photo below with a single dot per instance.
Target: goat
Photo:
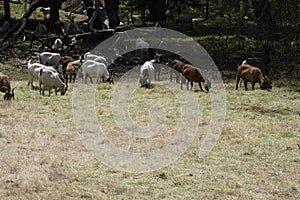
(159, 59)
(72, 70)
(90, 56)
(65, 60)
(176, 68)
(5, 27)
(41, 30)
(196, 22)
(92, 68)
(34, 70)
(58, 44)
(147, 74)
(6, 88)
(193, 74)
(253, 75)
(49, 59)
(49, 79)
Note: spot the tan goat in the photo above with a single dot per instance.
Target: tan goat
(253, 75)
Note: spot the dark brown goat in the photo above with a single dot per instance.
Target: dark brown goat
(193, 74)
(5, 87)
(64, 63)
(253, 75)
(176, 68)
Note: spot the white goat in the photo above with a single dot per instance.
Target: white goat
(147, 74)
(34, 70)
(58, 44)
(90, 56)
(49, 79)
(92, 68)
(49, 59)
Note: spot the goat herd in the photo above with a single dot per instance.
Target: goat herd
(94, 66)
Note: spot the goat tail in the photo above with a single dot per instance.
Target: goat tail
(41, 71)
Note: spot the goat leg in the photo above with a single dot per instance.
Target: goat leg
(237, 83)
(200, 86)
(245, 84)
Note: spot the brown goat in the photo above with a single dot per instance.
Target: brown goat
(64, 63)
(176, 68)
(72, 70)
(193, 74)
(253, 75)
(5, 87)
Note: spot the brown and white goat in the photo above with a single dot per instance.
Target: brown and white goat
(6, 88)
(65, 60)
(253, 75)
(72, 70)
(193, 74)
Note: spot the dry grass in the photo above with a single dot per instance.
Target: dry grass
(257, 156)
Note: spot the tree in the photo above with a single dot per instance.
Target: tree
(19, 27)
(157, 10)
(6, 10)
(112, 10)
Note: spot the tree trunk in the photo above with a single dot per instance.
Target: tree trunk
(157, 11)
(112, 10)
(6, 10)
(19, 27)
(207, 9)
(264, 19)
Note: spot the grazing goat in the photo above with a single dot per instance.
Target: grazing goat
(159, 59)
(41, 30)
(5, 27)
(92, 68)
(253, 75)
(65, 60)
(72, 70)
(147, 74)
(176, 68)
(90, 56)
(49, 79)
(34, 70)
(49, 59)
(58, 44)
(6, 88)
(193, 74)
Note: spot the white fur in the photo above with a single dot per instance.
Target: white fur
(90, 56)
(34, 70)
(50, 59)
(148, 65)
(94, 69)
(48, 79)
(58, 44)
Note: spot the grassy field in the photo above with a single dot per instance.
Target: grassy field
(257, 157)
